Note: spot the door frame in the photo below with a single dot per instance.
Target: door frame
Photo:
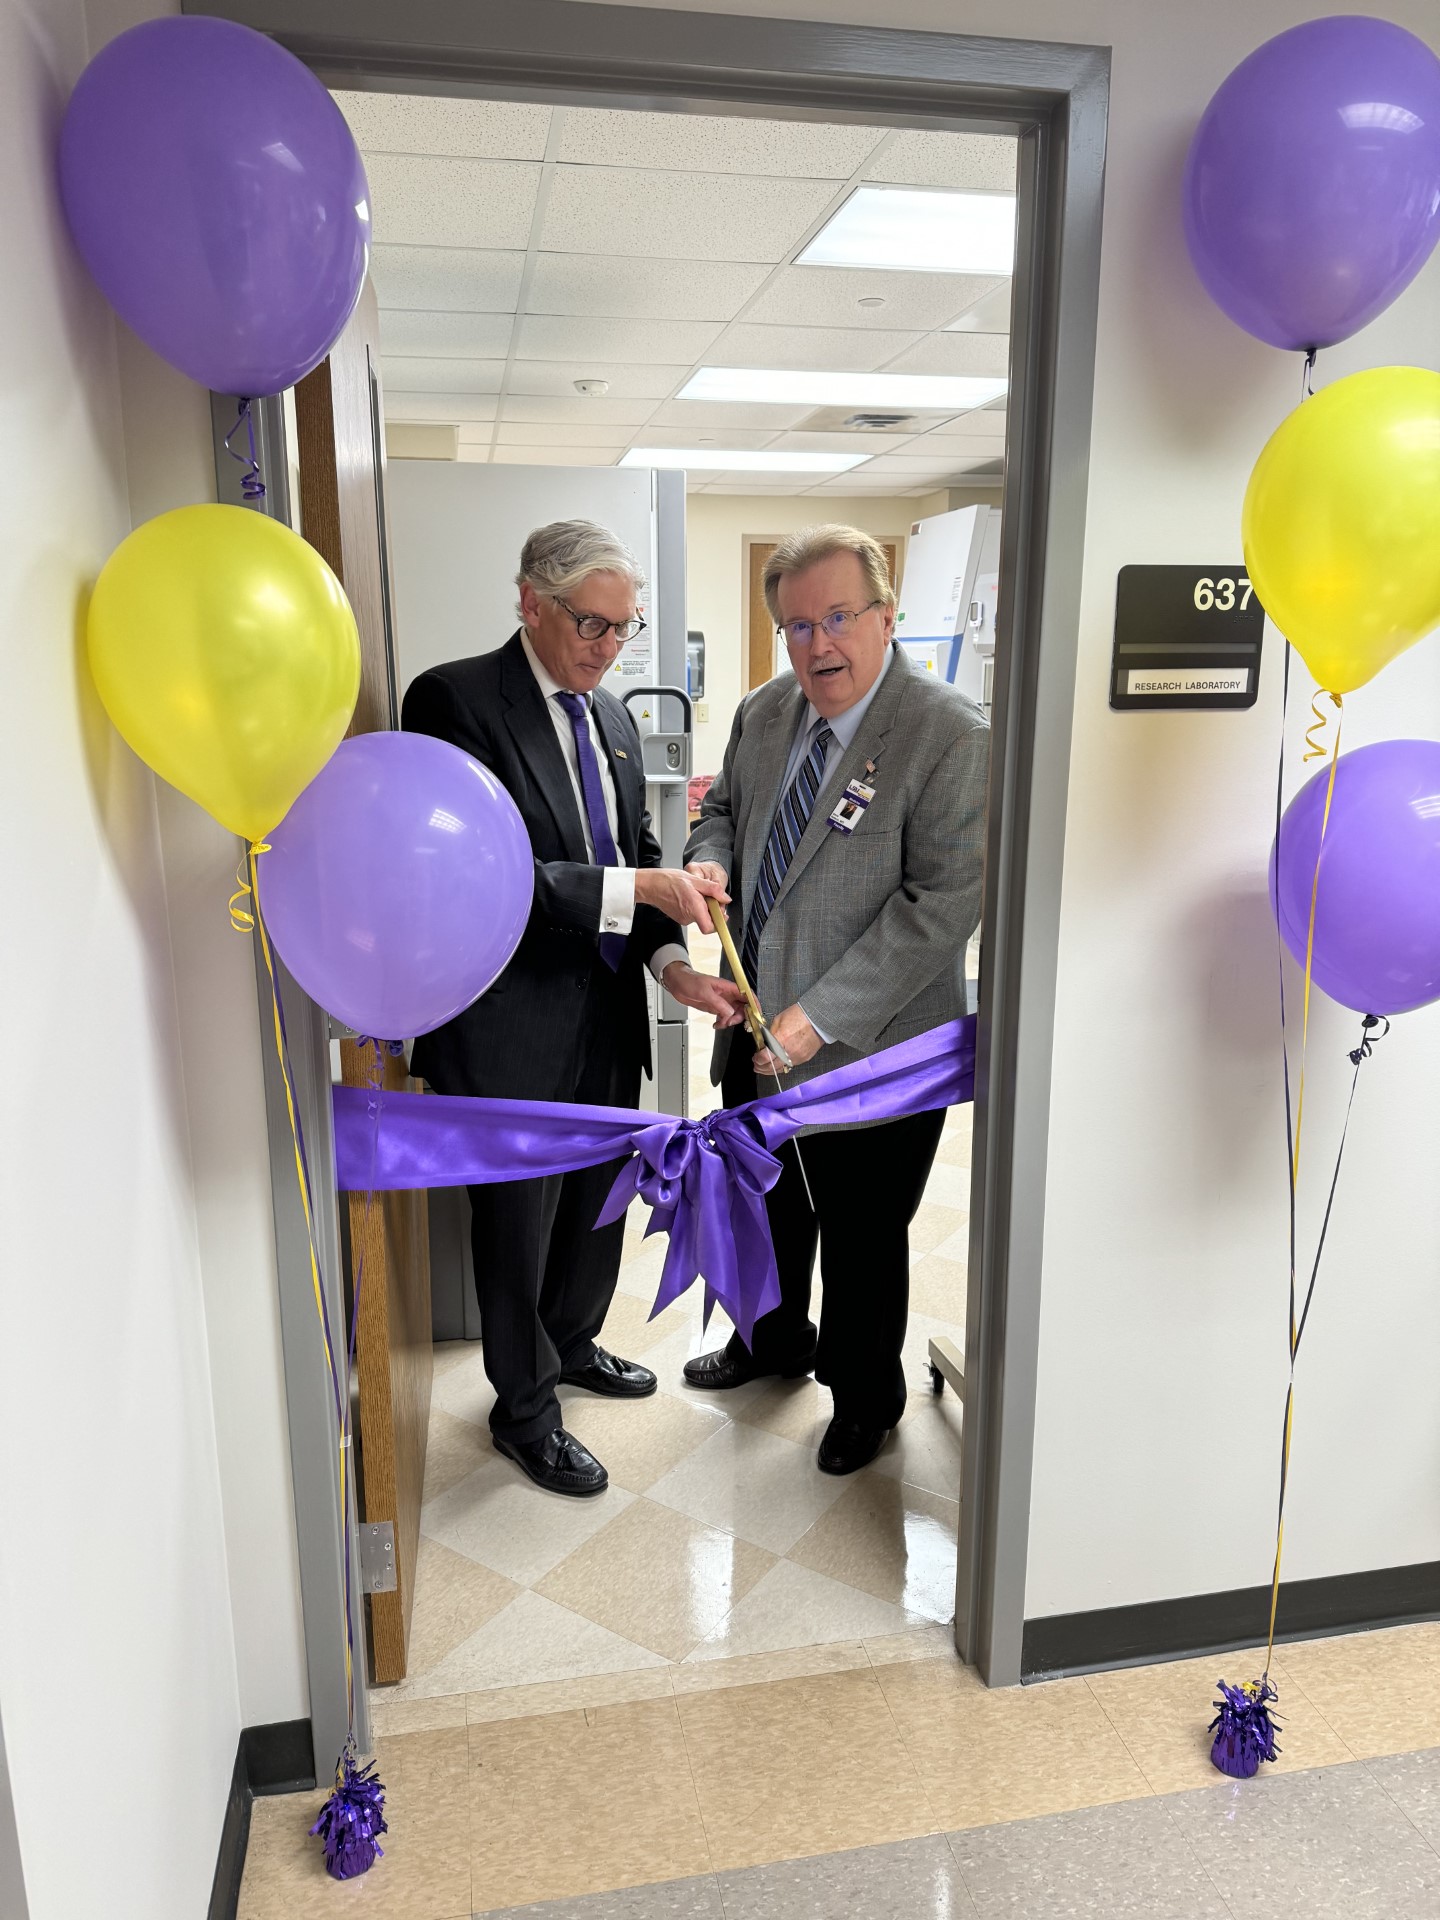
(1054, 98)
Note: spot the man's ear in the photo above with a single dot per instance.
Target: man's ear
(529, 605)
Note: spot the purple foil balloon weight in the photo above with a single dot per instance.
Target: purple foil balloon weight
(219, 199)
(1312, 191)
(398, 885)
(1377, 913)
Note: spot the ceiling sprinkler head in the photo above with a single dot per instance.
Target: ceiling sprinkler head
(592, 389)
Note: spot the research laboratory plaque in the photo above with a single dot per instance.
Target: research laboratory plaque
(1186, 637)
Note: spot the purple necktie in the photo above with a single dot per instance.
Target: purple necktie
(612, 945)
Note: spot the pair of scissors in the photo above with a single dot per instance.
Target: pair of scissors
(754, 1018)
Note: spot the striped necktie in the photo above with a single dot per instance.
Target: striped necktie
(791, 816)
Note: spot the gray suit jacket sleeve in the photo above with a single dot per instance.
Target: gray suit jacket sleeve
(713, 836)
(933, 912)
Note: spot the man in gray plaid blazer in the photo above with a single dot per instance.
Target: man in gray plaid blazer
(847, 825)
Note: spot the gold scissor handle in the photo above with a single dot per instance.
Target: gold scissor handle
(754, 1019)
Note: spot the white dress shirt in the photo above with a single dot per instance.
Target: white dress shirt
(617, 894)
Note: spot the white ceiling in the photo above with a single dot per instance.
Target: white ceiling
(519, 249)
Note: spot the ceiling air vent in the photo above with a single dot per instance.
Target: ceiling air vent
(847, 420)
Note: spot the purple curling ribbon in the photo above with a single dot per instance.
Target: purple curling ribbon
(1244, 1728)
(704, 1180)
(352, 1820)
(252, 487)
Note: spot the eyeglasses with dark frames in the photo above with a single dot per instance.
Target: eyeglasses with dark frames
(594, 626)
(800, 633)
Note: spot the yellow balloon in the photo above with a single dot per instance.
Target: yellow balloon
(226, 653)
(1342, 523)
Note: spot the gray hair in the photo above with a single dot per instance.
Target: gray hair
(810, 545)
(555, 559)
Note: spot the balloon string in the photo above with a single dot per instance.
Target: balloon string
(1315, 748)
(241, 918)
(1307, 376)
(1310, 963)
(252, 486)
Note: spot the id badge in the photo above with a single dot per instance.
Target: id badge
(850, 808)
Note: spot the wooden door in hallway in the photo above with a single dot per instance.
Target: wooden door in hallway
(761, 641)
(342, 509)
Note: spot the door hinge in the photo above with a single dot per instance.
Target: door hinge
(377, 1557)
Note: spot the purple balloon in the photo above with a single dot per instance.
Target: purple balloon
(1377, 911)
(219, 199)
(398, 885)
(1312, 190)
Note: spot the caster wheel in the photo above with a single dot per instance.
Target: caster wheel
(937, 1380)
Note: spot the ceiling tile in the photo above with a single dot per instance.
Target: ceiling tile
(736, 438)
(559, 433)
(829, 349)
(462, 336)
(626, 382)
(421, 201)
(443, 376)
(447, 279)
(983, 162)
(474, 453)
(476, 433)
(606, 409)
(961, 435)
(596, 283)
(550, 336)
(990, 313)
(454, 407)
(697, 416)
(830, 296)
(603, 409)
(556, 456)
(987, 353)
(678, 216)
(901, 466)
(870, 444)
(713, 143)
(413, 123)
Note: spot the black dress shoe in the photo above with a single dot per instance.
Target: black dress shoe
(557, 1462)
(608, 1373)
(846, 1448)
(721, 1369)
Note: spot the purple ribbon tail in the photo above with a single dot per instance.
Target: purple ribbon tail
(705, 1181)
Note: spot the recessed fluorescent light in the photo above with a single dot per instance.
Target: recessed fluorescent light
(721, 460)
(922, 232)
(945, 392)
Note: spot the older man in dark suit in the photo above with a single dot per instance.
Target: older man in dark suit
(567, 1020)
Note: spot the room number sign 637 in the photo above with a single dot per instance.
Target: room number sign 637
(1224, 596)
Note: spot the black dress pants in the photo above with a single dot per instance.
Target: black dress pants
(544, 1275)
(867, 1183)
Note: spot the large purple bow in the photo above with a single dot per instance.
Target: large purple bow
(705, 1180)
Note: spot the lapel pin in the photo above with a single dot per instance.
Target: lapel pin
(620, 754)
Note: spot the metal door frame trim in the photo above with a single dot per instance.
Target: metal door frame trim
(1055, 98)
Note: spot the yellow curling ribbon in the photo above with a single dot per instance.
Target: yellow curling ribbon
(245, 921)
(1315, 750)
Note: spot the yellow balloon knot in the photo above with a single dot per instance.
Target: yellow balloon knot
(241, 918)
(1315, 747)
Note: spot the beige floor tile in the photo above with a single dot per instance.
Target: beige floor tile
(501, 1520)
(572, 1803)
(891, 1540)
(800, 1767)
(932, 1224)
(425, 1872)
(750, 1482)
(639, 1440)
(795, 1607)
(454, 1448)
(1379, 1691)
(660, 1578)
(454, 1597)
(415, 1716)
(1163, 1715)
(937, 1286)
(1008, 1754)
(948, 1186)
(569, 1696)
(797, 1410)
(954, 1150)
(530, 1641)
(934, 1642)
(925, 1449)
(629, 1330)
(450, 1354)
(752, 1669)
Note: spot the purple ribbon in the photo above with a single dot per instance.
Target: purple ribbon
(705, 1181)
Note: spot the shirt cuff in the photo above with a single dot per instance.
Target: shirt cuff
(824, 1037)
(617, 900)
(662, 957)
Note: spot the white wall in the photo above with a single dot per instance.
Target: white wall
(717, 527)
(122, 1174)
(1163, 1312)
